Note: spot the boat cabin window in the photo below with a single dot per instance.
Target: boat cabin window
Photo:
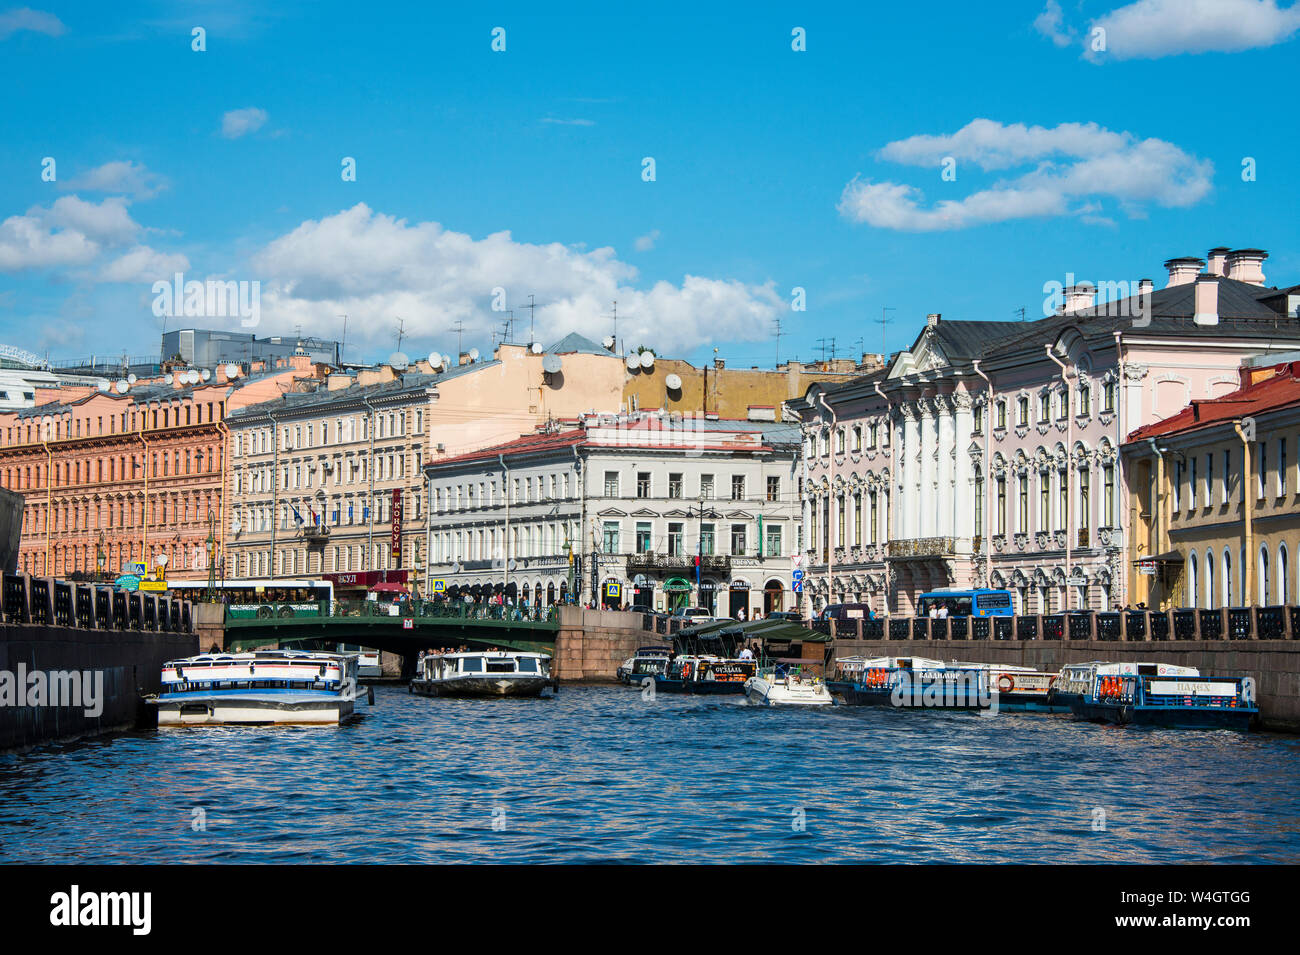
(471, 664)
(527, 664)
(500, 665)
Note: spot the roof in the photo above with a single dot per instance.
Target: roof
(1282, 390)
(526, 444)
(573, 342)
(324, 397)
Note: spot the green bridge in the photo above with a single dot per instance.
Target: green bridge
(420, 625)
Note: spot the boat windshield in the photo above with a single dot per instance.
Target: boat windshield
(526, 664)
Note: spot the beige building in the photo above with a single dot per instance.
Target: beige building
(1215, 498)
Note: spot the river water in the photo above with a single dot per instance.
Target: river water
(604, 774)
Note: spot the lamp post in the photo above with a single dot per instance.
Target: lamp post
(212, 557)
(101, 558)
(700, 513)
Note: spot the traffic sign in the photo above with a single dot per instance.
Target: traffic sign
(797, 574)
(797, 586)
(613, 590)
(439, 586)
(408, 624)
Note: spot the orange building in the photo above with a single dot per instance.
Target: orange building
(128, 471)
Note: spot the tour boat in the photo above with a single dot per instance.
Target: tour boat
(1020, 689)
(1078, 680)
(862, 681)
(1174, 701)
(703, 673)
(258, 688)
(645, 664)
(787, 684)
(484, 673)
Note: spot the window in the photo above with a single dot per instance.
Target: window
(675, 485)
(1022, 411)
(675, 540)
(1263, 467)
(875, 434)
(738, 487)
(772, 546)
(611, 484)
(839, 440)
(644, 537)
(978, 420)
(1281, 467)
(1023, 526)
(872, 505)
(1063, 505)
(1227, 474)
(979, 502)
(738, 538)
(1044, 500)
(1085, 398)
(1178, 485)
(642, 483)
(857, 437)
(1108, 397)
(1044, 408)
(1194, 486)
(1209, 480)
(706, 540)
(609, 542)
(1002, 414)
(1085, 482)
(773, 488)
(706, 486)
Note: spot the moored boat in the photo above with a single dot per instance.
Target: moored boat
(258, 688)
(788, 684)
(1173, 701)
(645, 664)
(484, 673)
(705, 674)
(1077, 681)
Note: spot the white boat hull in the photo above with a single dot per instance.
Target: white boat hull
(483, 685)
(781, 693)
(253, 711)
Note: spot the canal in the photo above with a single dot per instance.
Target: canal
(603, 774)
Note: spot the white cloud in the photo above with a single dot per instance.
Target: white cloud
(35, 21)
(1149, 29)
(72, 231)
(373, 267)
(1075, 166)
(647, 242)
(127, 177)
(241, 122)
(1050, 23)
(143, 264)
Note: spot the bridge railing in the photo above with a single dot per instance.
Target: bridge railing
(1225, 623)
(49, 601)
(373, 609)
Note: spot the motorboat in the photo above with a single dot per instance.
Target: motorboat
(645, 664)
(788, 683)
(484, 673)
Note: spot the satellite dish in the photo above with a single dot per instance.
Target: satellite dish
(130, 379)
(608, 341)
(473, 354)
(633, 362)
(168, 378)
(232, 371)
(206, 374)
(674, 382)
(536, 348)
(121, 386)
(399, 361)
(104, 384)
(647, 360)
(551, 364)
(435, 360)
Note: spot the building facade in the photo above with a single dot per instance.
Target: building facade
(130, 472)
(987, 455)
(1215, 498)
(617, 509)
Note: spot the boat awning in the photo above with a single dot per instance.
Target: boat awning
(780, 630)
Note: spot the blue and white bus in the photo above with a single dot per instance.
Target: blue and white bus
(968, 603)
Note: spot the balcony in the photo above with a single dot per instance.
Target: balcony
(923, 547)
(1083, 537)
(651, 563)
(316, 533)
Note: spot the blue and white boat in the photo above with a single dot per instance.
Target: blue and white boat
(1076, 681)
(258, 688)
(646, 663)
(909, 682)
(1177, 702)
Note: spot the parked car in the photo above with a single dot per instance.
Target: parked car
(693, 614)
(792, 615)
(842, 613)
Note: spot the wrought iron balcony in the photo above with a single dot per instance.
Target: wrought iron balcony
(316, 533)
(921, 547)
(650, 562)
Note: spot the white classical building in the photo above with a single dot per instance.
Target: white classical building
(621, 506)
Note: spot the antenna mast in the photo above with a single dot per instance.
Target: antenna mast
(884, 322)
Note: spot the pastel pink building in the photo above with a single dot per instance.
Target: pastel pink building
(986, 454)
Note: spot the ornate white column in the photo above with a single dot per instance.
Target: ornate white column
(909, 500)
(946, 500)
(928, 499)
(963, 500)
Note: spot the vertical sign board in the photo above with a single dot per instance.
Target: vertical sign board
(397, 526)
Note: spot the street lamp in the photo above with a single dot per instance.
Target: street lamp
(700, 513)
(101, 557)
(212, 558)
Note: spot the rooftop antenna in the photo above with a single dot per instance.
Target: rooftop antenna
(778, 341)
(532, 307)
(884, 322)
(460, 331)
(401, 331)
(343, 347)
(617, 350)
(1021, 312)
(823, 342)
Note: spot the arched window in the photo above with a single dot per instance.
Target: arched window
(1211, 598)
(1192, 592)
(1283, 580)
(1263, 575)
(1227, 578)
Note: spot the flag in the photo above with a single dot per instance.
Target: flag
(349, 513)
(296, 516)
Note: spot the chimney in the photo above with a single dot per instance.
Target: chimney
(1207, 300)
(1145, 287)
(1183, 271)
(1247, 265)
(1214, 260)
(1078, 297)
(933, 319)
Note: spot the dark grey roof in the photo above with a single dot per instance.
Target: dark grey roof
(323, 398)
(573, 342)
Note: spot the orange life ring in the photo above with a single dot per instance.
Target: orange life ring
(1010, 683)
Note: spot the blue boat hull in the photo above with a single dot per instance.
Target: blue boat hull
(1170, 717)
(699, 687)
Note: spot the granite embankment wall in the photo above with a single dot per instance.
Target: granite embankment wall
(592, 644)
(123, 664)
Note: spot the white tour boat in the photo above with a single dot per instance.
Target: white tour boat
(787, 684)
(484, 673)
(258, 688)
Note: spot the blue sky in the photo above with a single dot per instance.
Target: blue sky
(774, 168)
